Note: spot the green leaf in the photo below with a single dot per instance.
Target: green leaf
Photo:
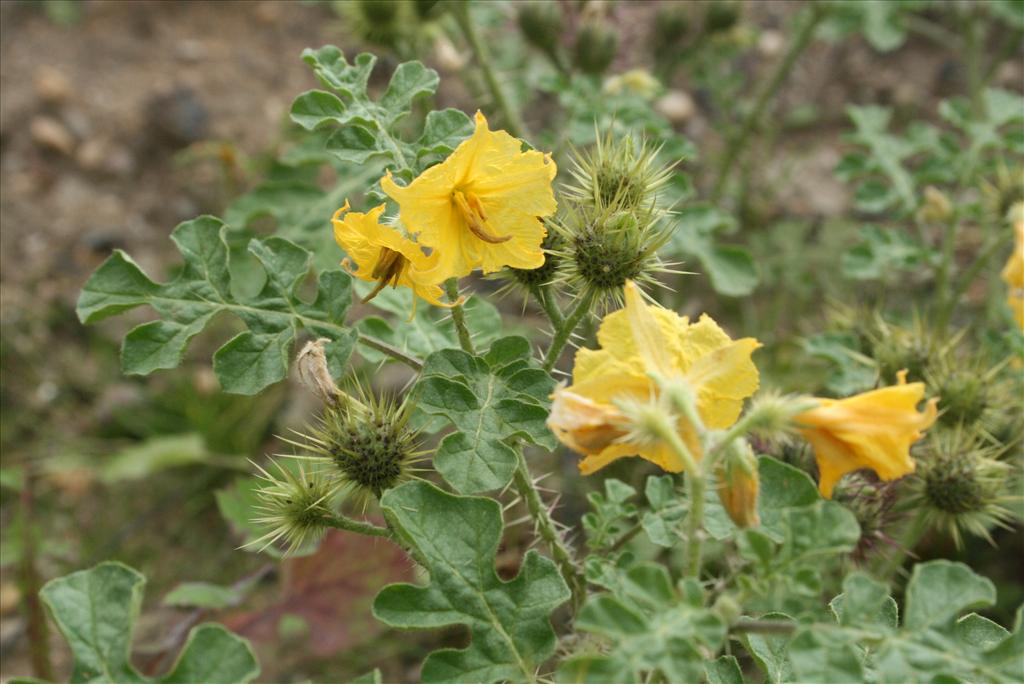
(649, 627)
(96, 611)
(154, 455)
(865, 602)
(410, 81)
(979, 632)
(610, 513)
(883, 253)
(851, 372)
(820, 658)
(489, 405)
(213, 654)
(314, 108)
(369, 678)
(356, 144)
(724, 670)
(443, 131)
(769, 651)
(887, 152)
(457, 538)
(662, 521)
(732, 268)
(430, 329)
(939, 590)
(202, 595)
(256, 357)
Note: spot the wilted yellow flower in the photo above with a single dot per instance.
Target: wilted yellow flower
(1013, 272)
(379, 253)
(480, 207)
(636, 342)
(739, 485)
(870, 430)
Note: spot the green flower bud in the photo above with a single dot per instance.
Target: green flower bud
(668, 33)
(721, 16)
(541, 24)
(596, 45)
(294, 503)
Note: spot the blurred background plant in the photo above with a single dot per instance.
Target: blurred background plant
(847, 198)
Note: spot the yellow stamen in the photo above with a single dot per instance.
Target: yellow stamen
(388, 270)
(476, 219)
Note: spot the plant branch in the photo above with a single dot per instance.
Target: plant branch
(451, 288)
(962, 284)
(392, 351)
(35, 617)
(513, 123)
(563, 333)
(695, 489)
(543, 295)
(560, 551)
(341, 522)
(737, 142)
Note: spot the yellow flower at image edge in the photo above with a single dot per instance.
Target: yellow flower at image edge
(1013, 272)
(379, 253)
(635, 342)
(870, 430)
(481, 207)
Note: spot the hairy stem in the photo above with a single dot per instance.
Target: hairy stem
(563, 333)
(451, 288)
(945, 269)
(561, 553)
(341, 522)
(392, 351)
(513, 123)
(960, 287)
(695, 490)
(738, 142)
(544, 297)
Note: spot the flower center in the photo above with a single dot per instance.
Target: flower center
(388, 270)
(475, 217)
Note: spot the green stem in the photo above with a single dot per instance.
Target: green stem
(738, 141)
(973, 47)
(563, 333)
(626, 536)
(992, 247)
(451, 288)
(341, 522)
(695, 490)
(513, 123)
(546, 528)
(910, 538)
(543, 295)
(392, 351)
(945, 269)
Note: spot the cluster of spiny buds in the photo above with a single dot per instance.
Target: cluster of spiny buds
(361, 445)
(612, 223)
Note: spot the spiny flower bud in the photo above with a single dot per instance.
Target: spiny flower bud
(617, 174)
(367, 441)
(871, 502)
(535, 277)
(541, 24)
(596, 45)
(738, 484)
(896, 349)
(295, 503)
(1003, 191)
(668, 33)
(964, 487)
(963, 397)
(721, 16)
(380, 22)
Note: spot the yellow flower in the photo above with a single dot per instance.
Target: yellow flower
(480, 207)
(870, 430)
(379, 253)
(1013, 272)
(637, 342)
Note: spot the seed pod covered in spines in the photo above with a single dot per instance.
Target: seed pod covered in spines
(541, 24)
(617, 174)
(963, 487)
(603, 250)
(721, 15)
(895, 349)
(295, 503)
(367, 442)
(596, 45)
(965, 392)
(872, 502)
(526, 280)
(387, 23)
